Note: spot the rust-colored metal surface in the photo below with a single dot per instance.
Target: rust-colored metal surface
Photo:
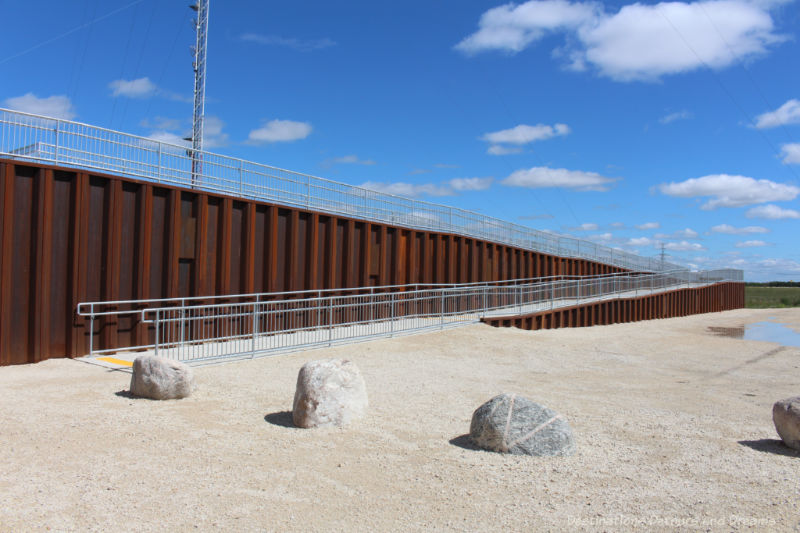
(682, 302)
(70, 236)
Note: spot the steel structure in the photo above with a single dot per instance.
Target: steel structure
(273, 323)
(27, 137)
(199, 66)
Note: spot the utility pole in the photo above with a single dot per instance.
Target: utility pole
(199, 65)
(663, 255)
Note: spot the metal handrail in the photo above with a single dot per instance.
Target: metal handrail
(288, 324)
(28, 137)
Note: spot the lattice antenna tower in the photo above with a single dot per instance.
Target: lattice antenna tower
(199, 65)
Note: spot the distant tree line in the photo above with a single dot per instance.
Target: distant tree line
(774, 284)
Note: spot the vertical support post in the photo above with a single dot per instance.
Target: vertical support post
(155, 342)
(391, 315)
(255, 319)
(183, 321)
(91, 328)
(55, 155)
(330, 319)
(441, 309)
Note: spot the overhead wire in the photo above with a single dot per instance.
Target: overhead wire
(745, 69)
(123, 64)
(69, 32)
(77, 72)
(725, 90)
(141, 55)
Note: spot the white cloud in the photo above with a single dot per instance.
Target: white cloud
(410, 190)
(730, 191)
(601, 237)
(586, 226)
(771, 212)
(448, 188)
(640, 241)
(639, 42)
(513, 27)
(301, 45)
(520, 135)
(541, 177)
(750, 244)
(57, 106)
(280, 131)
(546, 216)
(213, 136)
(169, 131)
(524, 134)
(347, 160)
(169, 137)
(791, 153)
(617, 225)
(649, 225)
(788, 113)
(496, 149)
(138, 88)
(731, 230)
(470, 184)
(684, 246)
(687, 233)
(672, 117)
(162, 123)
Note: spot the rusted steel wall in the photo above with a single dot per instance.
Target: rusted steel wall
(682, 302)
(69, 236)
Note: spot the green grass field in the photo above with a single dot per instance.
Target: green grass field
(764, 297)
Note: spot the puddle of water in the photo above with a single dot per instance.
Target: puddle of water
(761, 331)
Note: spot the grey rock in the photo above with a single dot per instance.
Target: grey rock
(513, 424)
(330, 392)
(161, 379)
(786, 416)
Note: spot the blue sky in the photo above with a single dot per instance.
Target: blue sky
(633, 125)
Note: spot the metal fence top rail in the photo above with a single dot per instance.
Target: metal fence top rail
(90, 309)
(25, 136)
(87, 308)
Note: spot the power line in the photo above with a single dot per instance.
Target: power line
(70, 32)
(724, 88)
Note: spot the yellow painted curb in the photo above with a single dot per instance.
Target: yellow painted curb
(120, 362)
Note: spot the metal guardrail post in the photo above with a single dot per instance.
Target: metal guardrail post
(183, 321)
(441, 309)
(55, 155)
(155, 343)
(391, 315)
(91, 329)
(253, 344)
(330, 320)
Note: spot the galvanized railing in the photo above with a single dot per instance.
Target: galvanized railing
(36, 138)
(211, 331)
(114, 311)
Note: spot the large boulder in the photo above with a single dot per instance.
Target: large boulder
(161, 379)
(786, 416)
(330, 392)
(513, 424)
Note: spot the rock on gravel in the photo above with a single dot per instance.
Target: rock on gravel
(513, 424)
(786, 416)
(161, 379)
(330, 392)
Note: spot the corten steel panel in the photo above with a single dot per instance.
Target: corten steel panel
(69, 237)
(712, 299)
(22, 264)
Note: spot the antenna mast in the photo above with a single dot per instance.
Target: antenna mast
(199, 65)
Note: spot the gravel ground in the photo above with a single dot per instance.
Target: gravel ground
(673, 427)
